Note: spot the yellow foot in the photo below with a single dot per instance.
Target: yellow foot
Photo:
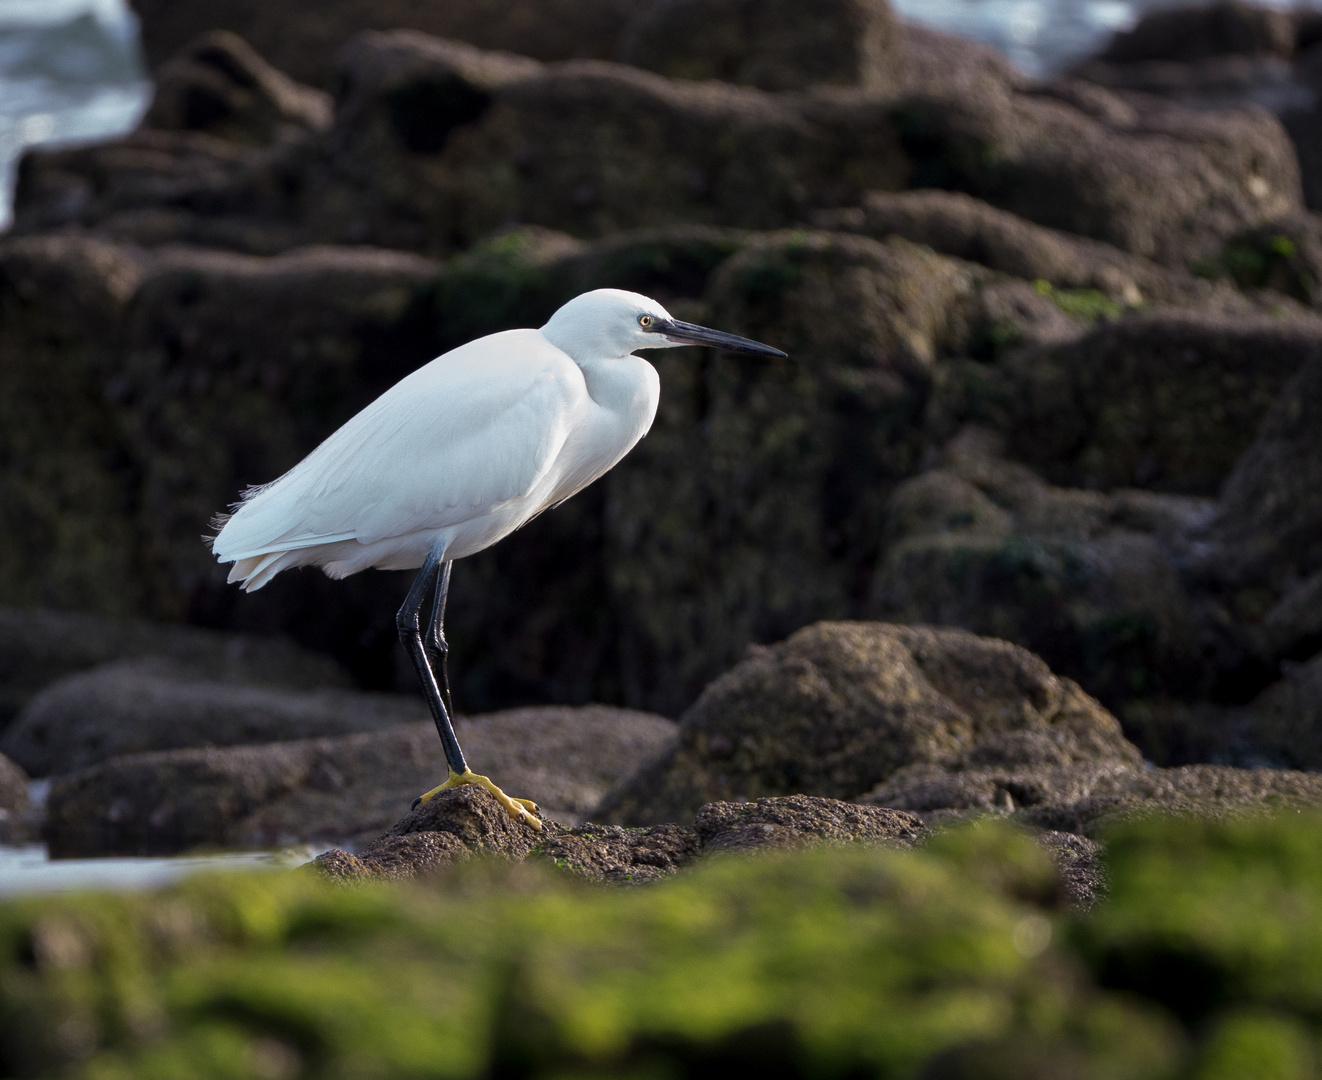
(524, 810)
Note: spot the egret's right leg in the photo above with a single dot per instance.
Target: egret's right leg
(409, 624)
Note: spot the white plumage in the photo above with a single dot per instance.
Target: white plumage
(464, 450)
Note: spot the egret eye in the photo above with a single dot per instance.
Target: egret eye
(646, 321)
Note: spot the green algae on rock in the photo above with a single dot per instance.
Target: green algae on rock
(957, 960)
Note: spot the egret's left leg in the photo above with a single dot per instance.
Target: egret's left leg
(409, 624)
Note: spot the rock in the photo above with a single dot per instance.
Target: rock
(39, 647)
(1193, 791)
(346, 788)
(770, 44)
(139, 705)
(1166, 400)
(1268, 530)
(938, 62)
(1090, 581)
(1185, 34)
(1284, 256)
(1158, 181)
(799, 820)
(218, 84)
(838, 707)
(959, 225)
(457, 824)
(16, 813)
(609, 853)
(1078, 861)
(302, 37)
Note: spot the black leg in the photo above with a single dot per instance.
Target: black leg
(435, 643)
(409, 624)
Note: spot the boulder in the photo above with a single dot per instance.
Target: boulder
(1151, 178)
(770, 44)
(1086, 800)
(346, 788)
(302, 37)
(1164, 400)
(39, 647)
(218, 84)
(16, 824)
(957, 224)
(1268, 530)
(458, 824)
(1284, 256)
(838, 707)
(1090, 581)
(134, 706)
(1189, 33)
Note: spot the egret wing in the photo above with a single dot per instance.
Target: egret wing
(460, 436)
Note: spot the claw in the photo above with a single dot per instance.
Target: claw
(524, 810)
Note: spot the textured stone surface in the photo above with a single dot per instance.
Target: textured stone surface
(838, 707)
(39, 647)
(799, 820)
(1091, 581)
(352, 787)
(771, 44)
(139, 705)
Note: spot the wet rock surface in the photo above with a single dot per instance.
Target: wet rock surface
(350, 787)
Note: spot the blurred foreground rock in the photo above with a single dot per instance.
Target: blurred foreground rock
(346, 788)
(17, 825)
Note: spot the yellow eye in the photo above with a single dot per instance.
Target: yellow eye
(645, 321)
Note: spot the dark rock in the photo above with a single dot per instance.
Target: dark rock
(1195, 33)
(939, 62)
(139, 705)
(302, 37)
(1268, 531)
(771, 44)
(39, 647)
(957, 224)
(1284, 256)
(17, 818)
(1166, 400)
(1089, 580)
(1162, 182)
(840, 706)
(218, 84)
(350, 787)
(799, 820)
(621, 856)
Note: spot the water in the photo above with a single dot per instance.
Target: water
(29, 869)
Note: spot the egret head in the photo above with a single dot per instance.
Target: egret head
(608, 323)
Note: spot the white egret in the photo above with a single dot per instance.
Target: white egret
(458, 455)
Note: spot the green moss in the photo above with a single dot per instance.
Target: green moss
(1089, 304)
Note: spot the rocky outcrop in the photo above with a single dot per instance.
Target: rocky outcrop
(16, 824)
(1090, 581)
(350, 787)
(218, 84)
(1284, 256)
(770, 44)
(1166, 400)
(39, 647)
(459, 824)
(139, 705)
(1087, 800)
(838, 707)
(957, 224)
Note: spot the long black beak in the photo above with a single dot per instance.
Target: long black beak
(683, 333)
